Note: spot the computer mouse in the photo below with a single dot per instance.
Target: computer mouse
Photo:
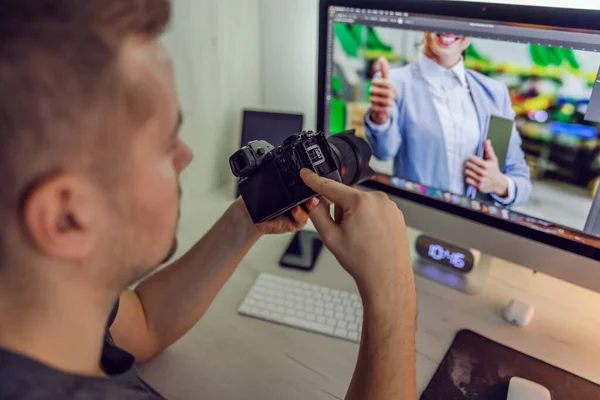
(522, 389)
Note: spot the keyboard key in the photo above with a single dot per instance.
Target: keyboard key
(290, 311)
(327, 298)
(342, 324)
(345, 295)
(319, 303)
(301, 314)
(299, 306)
(350, 311)
(359, 320)
(353, 335)
(339, 308)
(321, 319)
(353, 327)
(349, 318)
(318, 296)
(309, 308)
(346, 302)
(329, 313)
(244, 309)
(339, 316)
(276, 317)
(325, 290)
(341, 332)
(329, 306)
(335, 292)
(311, 317)
(310, 301)
(331, 322)
(280, 309)
(319, 311)
(315, 326)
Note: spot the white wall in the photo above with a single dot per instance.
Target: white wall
(290, 71)
(216, 48)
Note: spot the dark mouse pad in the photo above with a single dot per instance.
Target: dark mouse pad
(476, 368)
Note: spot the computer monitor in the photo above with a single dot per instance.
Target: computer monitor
(523, 79)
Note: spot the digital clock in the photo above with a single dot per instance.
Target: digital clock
(445, 254)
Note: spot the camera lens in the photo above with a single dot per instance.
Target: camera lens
(352, 156)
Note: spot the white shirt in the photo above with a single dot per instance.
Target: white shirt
(459, 120)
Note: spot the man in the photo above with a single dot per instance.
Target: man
(89, 165)
(431, 117)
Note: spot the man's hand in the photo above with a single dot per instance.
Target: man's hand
(485, 175)
(369, 238)
(368, 235)
(383, 94)
(294, 222)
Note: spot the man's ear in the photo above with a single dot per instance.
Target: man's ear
(58, 217)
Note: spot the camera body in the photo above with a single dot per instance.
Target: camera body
(269, 177)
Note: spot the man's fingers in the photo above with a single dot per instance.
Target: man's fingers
(382, 101)
(326, 226)
(383, 110)
(300, 217)
(312, 203)
(381, 92)
(473, 183)
(474, 168)
(334, 191)
(471, 174)
(477, 161)
(382, 84)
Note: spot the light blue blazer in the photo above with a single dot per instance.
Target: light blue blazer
(415, 140)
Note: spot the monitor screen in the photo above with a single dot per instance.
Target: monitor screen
(497, 118)
(272, 127)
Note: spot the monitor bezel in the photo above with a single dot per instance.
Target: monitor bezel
(556, 17)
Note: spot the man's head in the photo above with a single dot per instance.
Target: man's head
(89, 150)
(446, 50)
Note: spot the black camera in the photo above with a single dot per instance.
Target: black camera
(269, 177)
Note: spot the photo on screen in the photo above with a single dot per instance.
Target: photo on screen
(541, 96)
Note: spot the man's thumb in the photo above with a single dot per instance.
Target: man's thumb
(384, 68)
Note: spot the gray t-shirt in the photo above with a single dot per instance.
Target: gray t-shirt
(24, 378)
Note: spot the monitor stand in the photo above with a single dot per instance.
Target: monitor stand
(472, 283)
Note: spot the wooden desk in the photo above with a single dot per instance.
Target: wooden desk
(227, 356)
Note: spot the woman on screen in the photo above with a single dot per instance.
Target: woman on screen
(431, 117)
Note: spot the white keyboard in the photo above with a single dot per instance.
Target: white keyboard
(304, 306)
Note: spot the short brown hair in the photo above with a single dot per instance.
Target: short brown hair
(58, 66)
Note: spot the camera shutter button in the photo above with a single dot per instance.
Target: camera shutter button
(261, 152)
